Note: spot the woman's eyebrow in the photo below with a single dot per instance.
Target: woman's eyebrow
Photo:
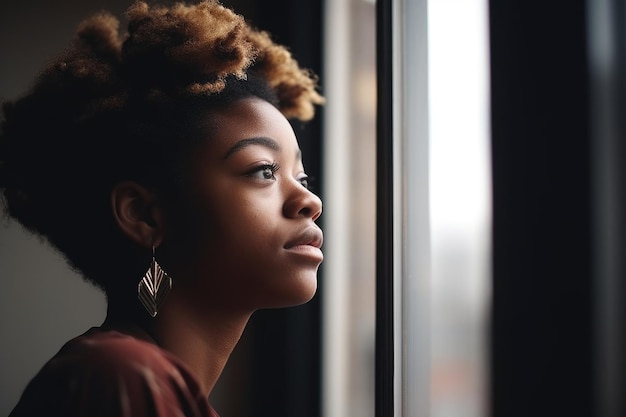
(244, 143)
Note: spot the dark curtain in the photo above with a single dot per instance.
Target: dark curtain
(542, 341)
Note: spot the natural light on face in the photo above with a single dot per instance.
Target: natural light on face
(460, 210)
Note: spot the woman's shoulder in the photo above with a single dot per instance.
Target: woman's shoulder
(111, 373)
(110, 351)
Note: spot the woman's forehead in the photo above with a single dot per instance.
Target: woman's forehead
(252, 122)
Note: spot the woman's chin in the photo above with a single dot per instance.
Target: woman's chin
(302, 294)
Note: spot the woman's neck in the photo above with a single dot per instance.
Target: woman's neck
(203, 343)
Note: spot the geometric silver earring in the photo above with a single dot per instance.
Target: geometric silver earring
(154, 287)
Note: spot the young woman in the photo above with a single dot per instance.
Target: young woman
(163, 166)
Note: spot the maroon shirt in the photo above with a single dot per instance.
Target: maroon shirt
(107, 373)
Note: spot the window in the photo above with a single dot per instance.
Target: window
(437, 150)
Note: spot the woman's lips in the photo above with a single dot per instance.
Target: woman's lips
(311, 236)
(308, 243)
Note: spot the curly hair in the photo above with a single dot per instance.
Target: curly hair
(129, 107)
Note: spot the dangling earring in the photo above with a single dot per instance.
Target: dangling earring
(154, 287)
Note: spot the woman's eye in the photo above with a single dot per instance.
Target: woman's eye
(304, 180)
(264, 172)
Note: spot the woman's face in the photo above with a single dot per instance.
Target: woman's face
(246, 237)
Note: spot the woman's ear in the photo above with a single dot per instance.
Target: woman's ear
(137, 213)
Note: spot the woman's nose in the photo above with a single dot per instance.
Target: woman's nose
(301, 202)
